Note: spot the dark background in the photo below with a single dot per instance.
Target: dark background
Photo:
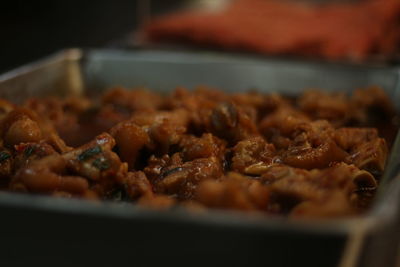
(31, 30)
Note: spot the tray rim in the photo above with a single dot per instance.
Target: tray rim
(371, 220)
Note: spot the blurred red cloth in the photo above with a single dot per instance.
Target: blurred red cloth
(331, 31)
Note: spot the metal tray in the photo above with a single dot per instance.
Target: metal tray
(62, 232)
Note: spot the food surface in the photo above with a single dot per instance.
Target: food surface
(317, 155)
(338, 30)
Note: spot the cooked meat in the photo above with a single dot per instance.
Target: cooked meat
(320, 154)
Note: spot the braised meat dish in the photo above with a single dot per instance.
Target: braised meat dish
(319, 154)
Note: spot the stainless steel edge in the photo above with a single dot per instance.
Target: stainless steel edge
(128, 211)
(70, 62)
(72, 54)
(58, 74)
(76, 55)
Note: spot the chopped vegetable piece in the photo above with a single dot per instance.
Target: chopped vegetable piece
(87, 154)
(4, 156)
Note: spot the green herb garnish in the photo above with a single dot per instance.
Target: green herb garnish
(89, 153)
(169, 172)
(101, 164)
(29, 150)
(4, 156)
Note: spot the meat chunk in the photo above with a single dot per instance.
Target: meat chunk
(164, 128)
(312, 156)
(98, 163)
(366, 150)
(230, 123)
(172, 176)
(313, 147)
(253, 156)
(29, 152)
(20, 126)
(334, 107)
(132, 100)
(130, 139)
(279, 125)
(204, 147)
(291, 187)
(45, 176)
(233, 192)
(137, 185)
